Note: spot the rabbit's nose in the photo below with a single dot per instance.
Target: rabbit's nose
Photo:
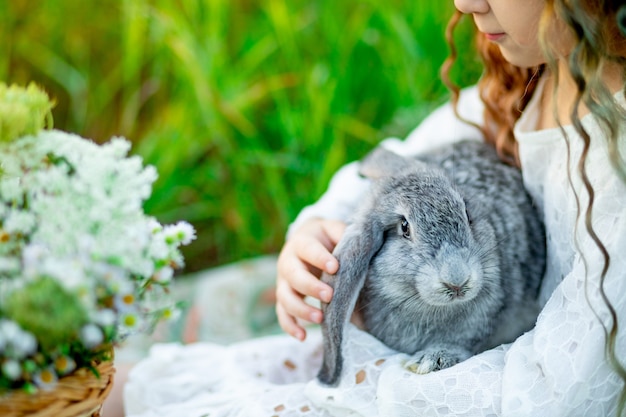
(456, 291)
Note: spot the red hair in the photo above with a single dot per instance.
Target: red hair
(504, 89)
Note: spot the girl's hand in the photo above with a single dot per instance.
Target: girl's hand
(304, 256)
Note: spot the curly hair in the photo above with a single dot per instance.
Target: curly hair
(506, 90)
(598, 41)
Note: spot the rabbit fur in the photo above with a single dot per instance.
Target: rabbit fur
(444, 259)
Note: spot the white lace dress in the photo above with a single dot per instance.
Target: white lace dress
(557, 369)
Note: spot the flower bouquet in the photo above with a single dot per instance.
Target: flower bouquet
(81, 265)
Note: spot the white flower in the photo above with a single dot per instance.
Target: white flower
(12, 369)
(110, 274)
(171, 313)
(117, 147)
(9, 329)
(105, 317)
(125, 301)
(130, 322)
(182, 232)
(24, 344)
(69, 272)
(46, 379)
(19, 221)
(10, 189)
(64, 365)
(16, 342)
(158, 248)
(164, 275)
(153, 225)
(91, 336)
(120, 285)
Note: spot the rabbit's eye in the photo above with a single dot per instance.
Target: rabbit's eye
(406, 230)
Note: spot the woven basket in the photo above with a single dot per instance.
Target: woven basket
(80, 394)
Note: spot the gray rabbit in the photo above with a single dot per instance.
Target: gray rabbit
(443, 260)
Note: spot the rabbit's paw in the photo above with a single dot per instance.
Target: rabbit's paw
(435, 359)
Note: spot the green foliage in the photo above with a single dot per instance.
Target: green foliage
(42, 302)
(246, 108)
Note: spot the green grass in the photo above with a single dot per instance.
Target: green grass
(245, 107)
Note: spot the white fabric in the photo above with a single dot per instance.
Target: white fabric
(557, 369)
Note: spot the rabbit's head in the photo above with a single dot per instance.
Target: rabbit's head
(433, 252)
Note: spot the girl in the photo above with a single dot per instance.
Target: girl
(552, 101)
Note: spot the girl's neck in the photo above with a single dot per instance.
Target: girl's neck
(565, 96)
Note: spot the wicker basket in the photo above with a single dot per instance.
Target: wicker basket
(80, 394)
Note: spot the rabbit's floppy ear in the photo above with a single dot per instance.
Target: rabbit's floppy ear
(360, 243)
(383, 163)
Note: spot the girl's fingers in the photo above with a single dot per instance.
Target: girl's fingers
(312, 251)
(298, 278)
(289, 324)
(300, 264)
(294, 306)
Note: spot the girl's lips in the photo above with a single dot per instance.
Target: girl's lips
(494, 36)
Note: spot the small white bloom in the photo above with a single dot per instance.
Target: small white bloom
(182, 232)
(186, 232)
(137, 236)
(11, 189)
(117, 147)
(154, 226)
(24, 344)
(69, 272)
(130, 322)
(143, 267)
(158, 248)
(110, 274)
(64, 365)
(125, 301)
(19, 221)
(46, 379)
(121, 285)
(10, 329)
(105, 317)
(171, 313)
(164, 275)
(12, 369)
(91, 336)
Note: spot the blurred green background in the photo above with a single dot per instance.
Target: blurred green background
(246, 108)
